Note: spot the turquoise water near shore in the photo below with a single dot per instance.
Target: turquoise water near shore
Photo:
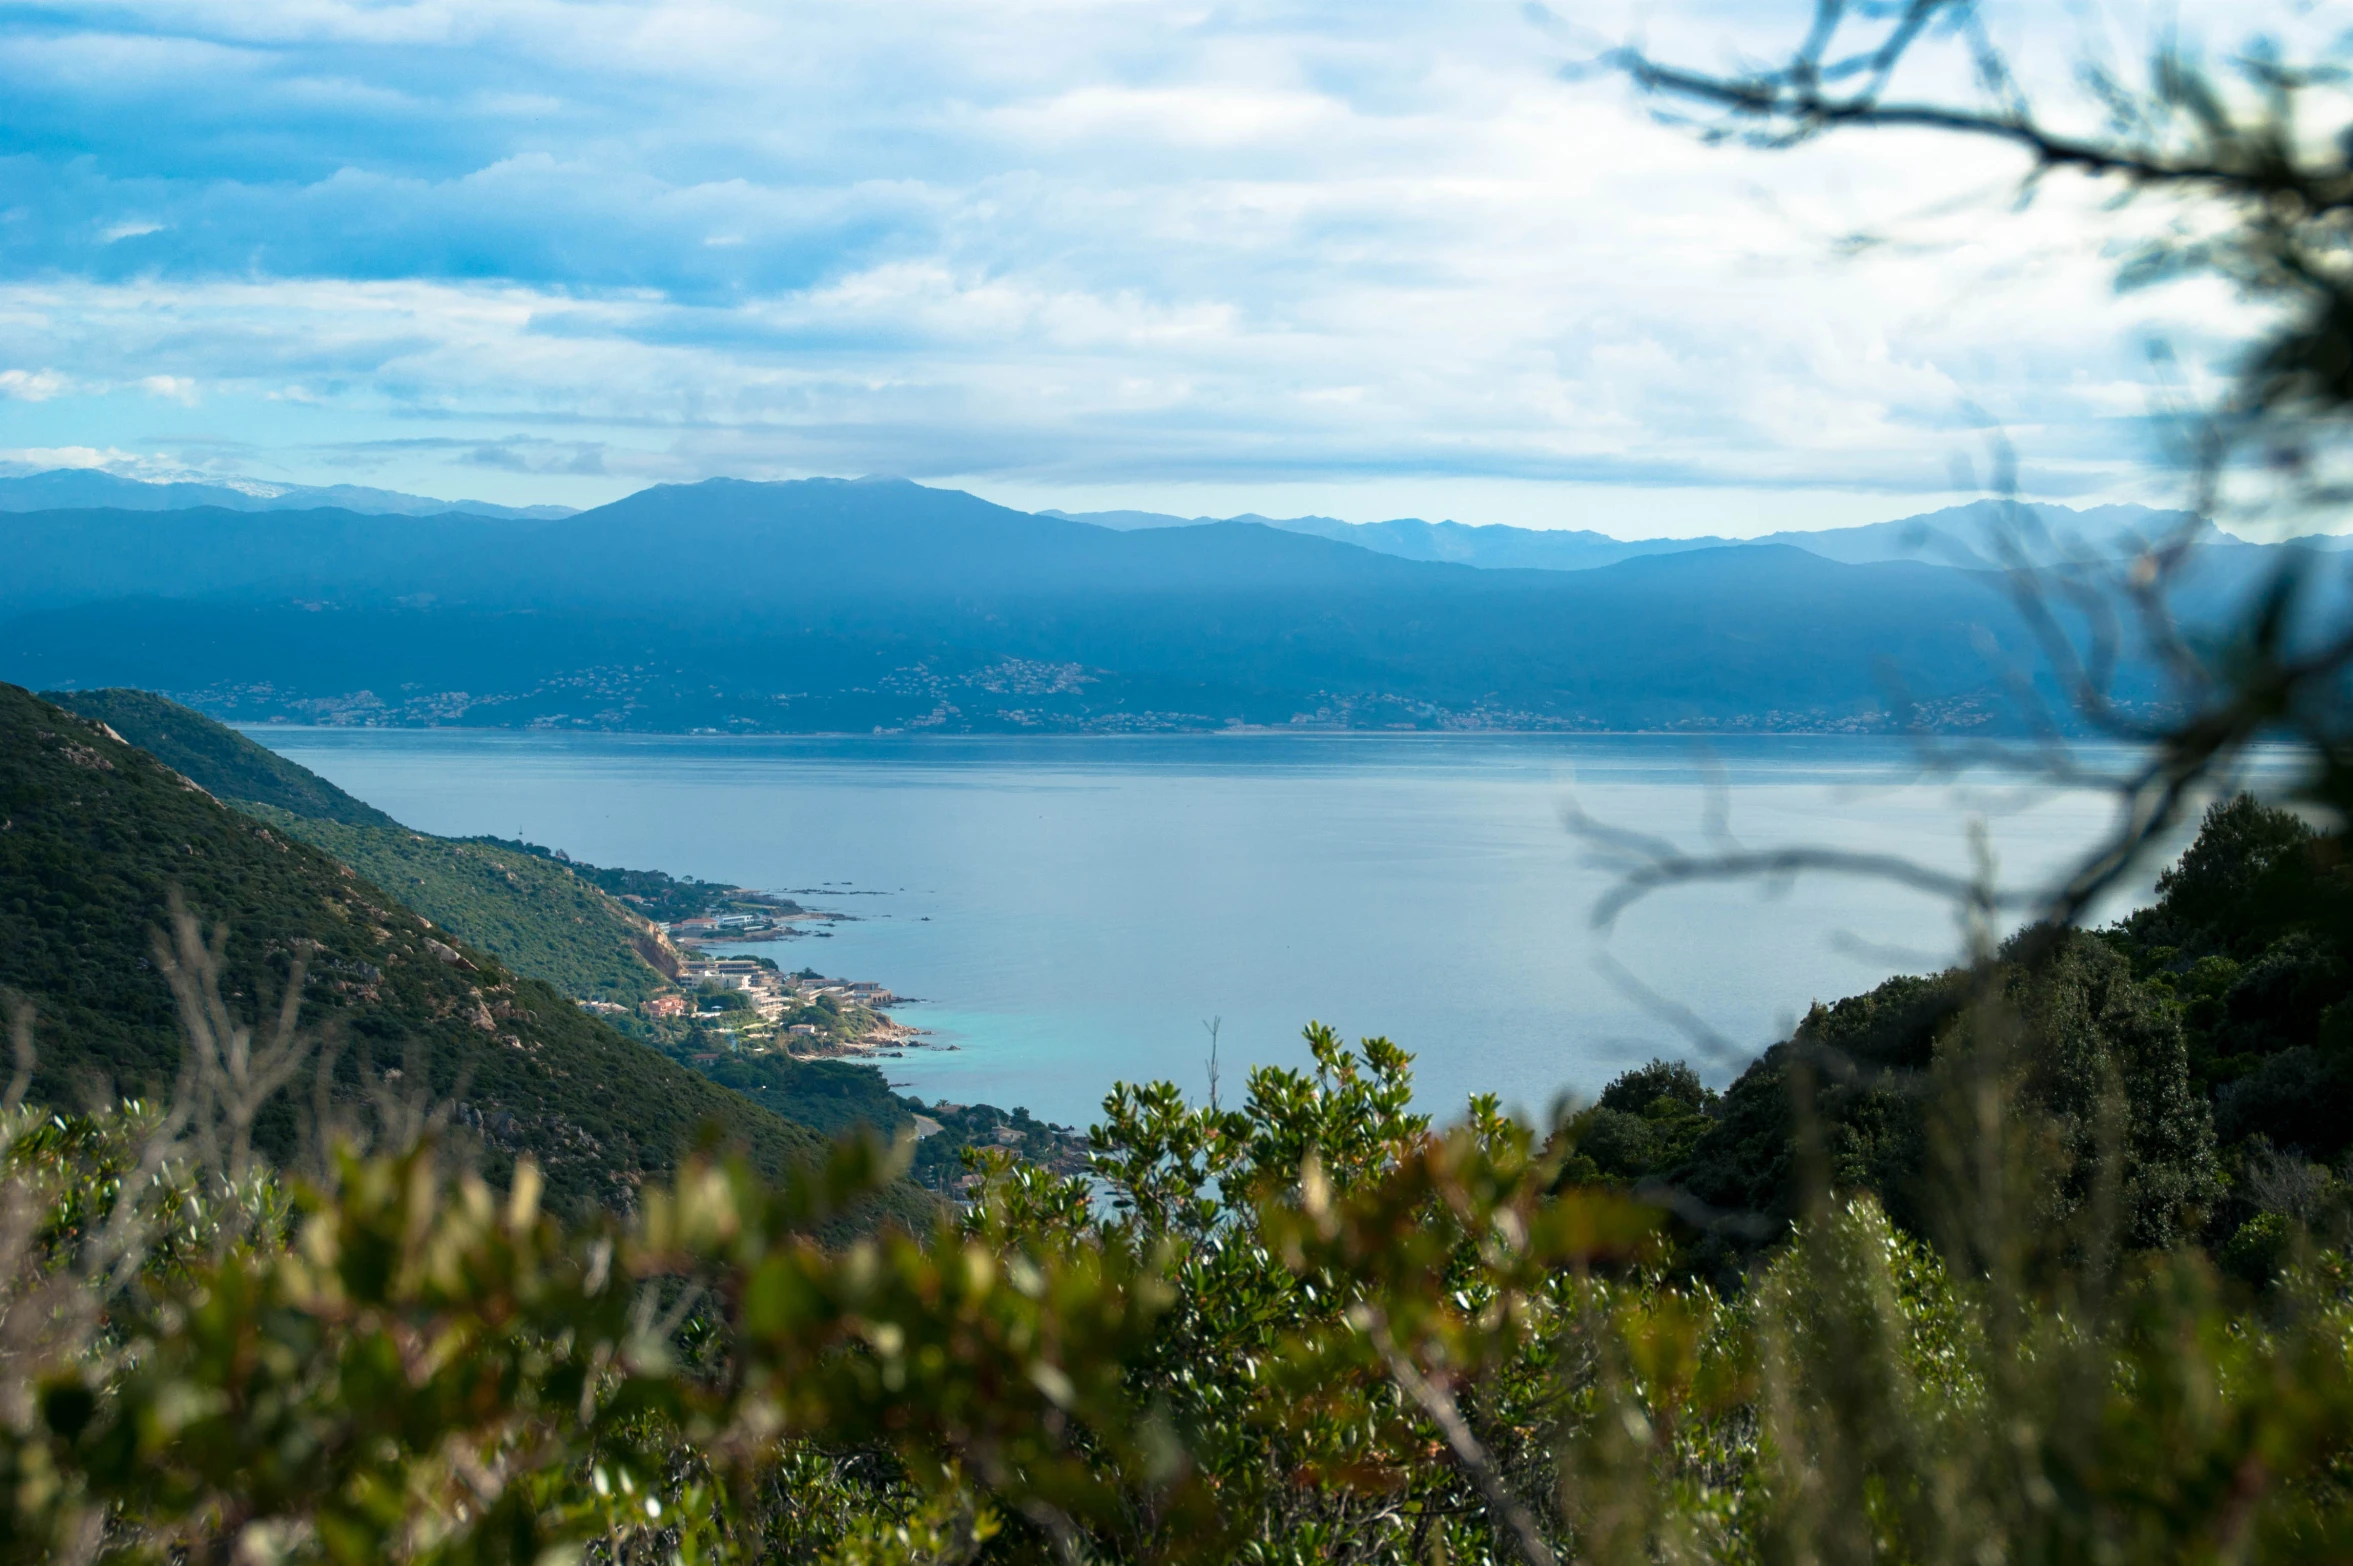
(1071, 911)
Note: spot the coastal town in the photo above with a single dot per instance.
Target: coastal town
(709, 1005)
(801, 1040)
(751, 1005)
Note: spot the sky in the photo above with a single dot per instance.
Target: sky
(1363, 259)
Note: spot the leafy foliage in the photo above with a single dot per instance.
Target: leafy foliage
(1309, 1328)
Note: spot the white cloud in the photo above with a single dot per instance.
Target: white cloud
(40, 459)
(1102, 246)
(31, 385)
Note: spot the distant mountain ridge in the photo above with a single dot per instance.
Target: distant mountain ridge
(1954, 535)
(62, 489)
(855, 606)
(1957, 535)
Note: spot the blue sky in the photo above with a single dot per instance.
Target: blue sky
(1369, 259)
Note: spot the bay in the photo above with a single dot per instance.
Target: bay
(1073, 911)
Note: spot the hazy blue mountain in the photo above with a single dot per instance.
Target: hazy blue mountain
(1974, 534)
(1747, 638)
(734, 541)
(1490, 546)
(842, 606)
(848, 605)
(1958, 535)
(57, 558)
(1129, 521)
(73, 488)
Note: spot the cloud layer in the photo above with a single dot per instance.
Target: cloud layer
(1106, 251)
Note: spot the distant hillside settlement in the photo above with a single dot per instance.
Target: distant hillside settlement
(748, 1005)
(747, 916)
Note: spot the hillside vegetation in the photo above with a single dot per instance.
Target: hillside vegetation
(2217, 1025)
(530, 911)
(534, 909)
(657, 894)
(95, 836)
(217, 758)
(1309, 1327)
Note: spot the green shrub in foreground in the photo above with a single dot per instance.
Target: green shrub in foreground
(1311, 1328)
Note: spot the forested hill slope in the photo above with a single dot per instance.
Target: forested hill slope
(529, 911)
(216, 757)
(94, 834)
(2221, 1015)
(58, 558)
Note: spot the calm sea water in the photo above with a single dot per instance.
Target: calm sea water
(1072, 911)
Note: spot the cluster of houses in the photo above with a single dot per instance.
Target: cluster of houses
(721, 925)
(771, 992)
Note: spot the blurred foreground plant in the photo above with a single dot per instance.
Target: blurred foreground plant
(1307, 1328)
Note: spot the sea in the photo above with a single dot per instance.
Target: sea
(1071, 912)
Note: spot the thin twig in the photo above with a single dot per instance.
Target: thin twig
(1435, 1401)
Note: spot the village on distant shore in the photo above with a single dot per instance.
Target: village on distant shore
(784, 1037)
(731, 1005)
(751, 1005)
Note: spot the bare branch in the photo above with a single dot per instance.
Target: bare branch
(224, 1079)
(1436, 1402)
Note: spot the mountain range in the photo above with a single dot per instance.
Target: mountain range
(57, 489)
(1957, 535)
(830, 605)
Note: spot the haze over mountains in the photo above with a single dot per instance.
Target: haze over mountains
(68, 488)
(1955, 535)
(1940, 537)
(840, 605)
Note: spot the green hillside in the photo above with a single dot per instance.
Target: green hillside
(526, 909)
(93, 836)
(2221, 1015)
(217, 757)
(529, 912)
(531, 907)
(832, 1095)
(654, 893)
